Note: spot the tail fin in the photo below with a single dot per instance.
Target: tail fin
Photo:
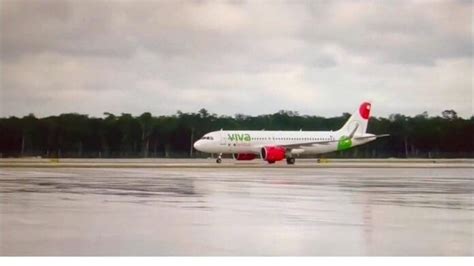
(357, 123)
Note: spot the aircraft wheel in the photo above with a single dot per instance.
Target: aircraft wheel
(290, 160)
(218, 160)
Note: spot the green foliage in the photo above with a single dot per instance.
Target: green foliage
(76, 135)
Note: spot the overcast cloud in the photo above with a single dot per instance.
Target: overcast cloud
(315, 57)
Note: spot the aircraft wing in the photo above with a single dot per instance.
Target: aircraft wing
(325, 142)
(302, 144)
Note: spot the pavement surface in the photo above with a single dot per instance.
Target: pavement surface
(241, 210)
(231, 163)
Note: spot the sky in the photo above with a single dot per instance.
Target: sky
(248, 57)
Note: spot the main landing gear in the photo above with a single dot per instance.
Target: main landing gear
(290, 160)
(219, 158)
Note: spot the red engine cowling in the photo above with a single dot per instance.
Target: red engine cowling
(273, 154)
(244, 156)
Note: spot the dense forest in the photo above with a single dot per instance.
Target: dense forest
(113, 136)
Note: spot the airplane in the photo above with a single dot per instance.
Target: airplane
(273, 146)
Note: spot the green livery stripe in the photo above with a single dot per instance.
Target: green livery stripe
(344, 143)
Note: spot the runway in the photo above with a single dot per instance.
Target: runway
(231, 163)
(243, 210)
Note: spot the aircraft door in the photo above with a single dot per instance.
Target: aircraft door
(223, 140)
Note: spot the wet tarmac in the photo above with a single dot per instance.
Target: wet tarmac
(236, 211)
(231, 163)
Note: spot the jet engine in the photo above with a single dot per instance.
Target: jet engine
(244, 156)
(273, 154)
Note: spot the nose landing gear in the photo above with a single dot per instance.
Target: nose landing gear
(219, 158)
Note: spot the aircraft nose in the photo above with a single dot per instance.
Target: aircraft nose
(197, 145)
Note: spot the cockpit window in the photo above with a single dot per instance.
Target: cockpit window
(208, 138)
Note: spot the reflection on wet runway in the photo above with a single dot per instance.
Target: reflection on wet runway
(232, 211)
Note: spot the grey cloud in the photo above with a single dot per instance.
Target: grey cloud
(392, 31)
(400, 31)
(128, 56)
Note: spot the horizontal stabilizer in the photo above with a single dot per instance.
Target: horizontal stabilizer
(373, 136)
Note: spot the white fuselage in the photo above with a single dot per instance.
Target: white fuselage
(252, 141)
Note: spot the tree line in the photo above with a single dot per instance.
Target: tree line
(125, 135)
